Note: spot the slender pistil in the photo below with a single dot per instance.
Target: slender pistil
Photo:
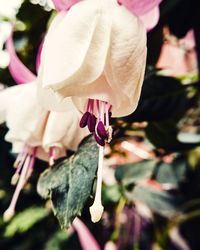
(96, 210)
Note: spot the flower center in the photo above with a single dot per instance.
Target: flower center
(24, 165)
(96, 118)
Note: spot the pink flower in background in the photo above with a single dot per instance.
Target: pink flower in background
(178, 56)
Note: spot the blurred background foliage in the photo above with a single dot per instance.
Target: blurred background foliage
(151, 186)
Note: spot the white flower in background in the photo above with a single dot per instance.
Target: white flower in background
(9, 8)
(5, 31)
(47, 4)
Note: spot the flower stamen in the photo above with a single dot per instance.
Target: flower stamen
(25, 166)
(96, 118)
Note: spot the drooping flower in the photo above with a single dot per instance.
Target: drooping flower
(62, 135)
(26, 121)
(99, 58)
(94, 53)
(33, 130)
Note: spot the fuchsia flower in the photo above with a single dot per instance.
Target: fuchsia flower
(178, 56)
(95, 54)
(26, 121)
(33, 130)
(98, 57)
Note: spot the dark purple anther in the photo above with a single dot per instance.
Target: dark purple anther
(91, 123)
(102, 131)
(84, 120)
(99, 140)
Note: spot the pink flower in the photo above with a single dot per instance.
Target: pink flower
(178, 56)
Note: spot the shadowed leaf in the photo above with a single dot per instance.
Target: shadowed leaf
(69, 183)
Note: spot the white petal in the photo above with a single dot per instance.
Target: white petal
(126, 62)
(66, 135)
(24, 117)
(6, 100)
(78, 56)
(100, 54)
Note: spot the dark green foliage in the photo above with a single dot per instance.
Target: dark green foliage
(171, 190)
(162, 98)
(69, 183)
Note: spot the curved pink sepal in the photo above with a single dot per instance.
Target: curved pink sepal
(140, 7)
(64, 4)
(151, 18)
(20, 73)
(87, 240)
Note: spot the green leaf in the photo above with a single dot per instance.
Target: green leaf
(111, 194)
(56, 240)
(69, 183)
(132, 175)
(158, 201)
(173, 173)
(23, 221)
(164, 135)
(135, 172)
